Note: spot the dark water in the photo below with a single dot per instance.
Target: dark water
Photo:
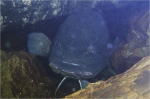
(116, 19)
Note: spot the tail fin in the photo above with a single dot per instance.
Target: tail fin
(38, 44)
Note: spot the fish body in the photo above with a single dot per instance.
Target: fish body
(80, 47)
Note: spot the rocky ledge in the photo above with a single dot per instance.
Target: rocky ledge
(134, 83)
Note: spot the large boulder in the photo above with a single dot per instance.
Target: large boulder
(22, 76)
(134, 83)
(136, 46)
(16, 14)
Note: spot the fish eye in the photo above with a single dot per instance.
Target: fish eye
(91, 49)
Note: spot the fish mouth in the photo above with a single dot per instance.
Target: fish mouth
(71, 70)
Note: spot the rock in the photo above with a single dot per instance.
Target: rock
(22, 76)
(136, 45)
(17, 14)
(134, 83)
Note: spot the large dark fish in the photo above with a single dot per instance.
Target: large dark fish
(80, 48)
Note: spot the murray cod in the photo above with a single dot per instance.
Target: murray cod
(80, 48)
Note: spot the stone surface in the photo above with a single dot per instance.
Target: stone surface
(16, 14)
(136, 45)
(134, 83)
(23, 77)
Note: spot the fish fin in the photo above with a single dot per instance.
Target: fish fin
(60, 84)
(83, 83)
(38, 44)
(115, 43)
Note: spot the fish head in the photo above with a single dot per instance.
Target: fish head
(78, 60)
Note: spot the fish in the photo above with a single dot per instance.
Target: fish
(80, 47)
(38, 44)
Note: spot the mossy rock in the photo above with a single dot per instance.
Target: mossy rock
(22, 76)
